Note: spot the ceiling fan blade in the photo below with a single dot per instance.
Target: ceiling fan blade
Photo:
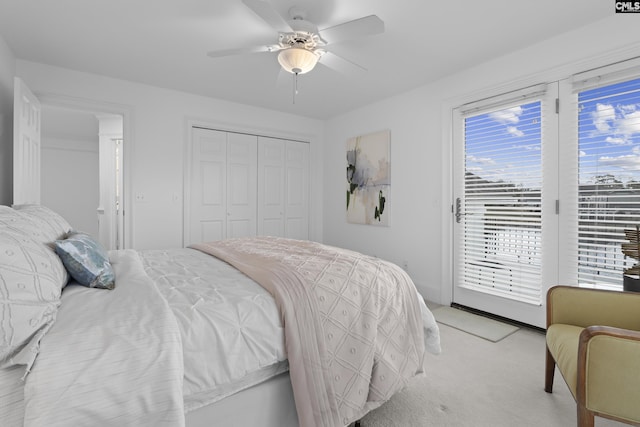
(341, 64)
(243, 51)
(265, 11)
(366, 26)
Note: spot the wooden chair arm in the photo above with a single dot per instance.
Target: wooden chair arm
(608, 382)
(585, 307)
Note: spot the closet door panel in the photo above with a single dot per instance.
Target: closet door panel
(297, 190)
(208, 185)
(271, 197)
(241, 185)
(211, 230)
(244, 185)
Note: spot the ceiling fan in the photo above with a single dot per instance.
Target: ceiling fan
(301, 45)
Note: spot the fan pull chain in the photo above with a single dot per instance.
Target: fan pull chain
(295, 87)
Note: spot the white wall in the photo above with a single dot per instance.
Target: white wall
(156, 131)
(69, 166)
(69, 172)
(420, 124)
(7, 72)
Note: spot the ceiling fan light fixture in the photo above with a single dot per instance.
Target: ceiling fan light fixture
(297, 60)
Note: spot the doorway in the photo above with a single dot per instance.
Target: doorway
(81, 170)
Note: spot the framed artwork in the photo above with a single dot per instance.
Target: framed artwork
(369, 178)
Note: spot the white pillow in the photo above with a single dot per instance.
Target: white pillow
(31, 280)
(51, 225)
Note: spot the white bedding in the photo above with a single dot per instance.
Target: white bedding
(137, 356)
(231, 329)
(354, 328)
(111, 358)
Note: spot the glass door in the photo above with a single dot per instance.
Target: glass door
(505, 210)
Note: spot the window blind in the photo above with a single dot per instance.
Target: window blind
(502, 205)
(608, 75)
(608, 176)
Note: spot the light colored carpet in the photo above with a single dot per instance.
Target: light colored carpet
(478, 383)
(473, 324)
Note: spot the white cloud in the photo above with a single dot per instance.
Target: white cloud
(621, 121)
(617, 141)
(629, 124)
(481, 160)
(509, 115)
(603, 117)
(627, 162)
(582, 153)
(514, 131)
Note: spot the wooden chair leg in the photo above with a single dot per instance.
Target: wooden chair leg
(549, 371)
(585, 417)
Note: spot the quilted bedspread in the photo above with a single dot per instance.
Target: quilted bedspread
(353, 323)
(113, 357)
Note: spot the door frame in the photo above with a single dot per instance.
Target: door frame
(557, 73)
(102, 107)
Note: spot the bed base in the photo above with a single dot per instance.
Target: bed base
(268, 404)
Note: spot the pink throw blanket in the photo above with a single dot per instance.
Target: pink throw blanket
(353, 327)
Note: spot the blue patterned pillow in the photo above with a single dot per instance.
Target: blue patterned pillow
(86, 261)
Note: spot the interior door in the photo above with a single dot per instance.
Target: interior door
(505, 198)
(26, 145)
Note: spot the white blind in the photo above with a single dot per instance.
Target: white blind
(502, 205)
(609, 177)
(503, 100)
(608, 75)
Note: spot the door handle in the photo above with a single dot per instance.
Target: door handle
(458, 211)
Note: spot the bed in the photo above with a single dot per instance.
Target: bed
(258, 331)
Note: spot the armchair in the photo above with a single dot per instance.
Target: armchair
(594, 338)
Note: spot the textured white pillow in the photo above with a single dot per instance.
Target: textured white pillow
(51, 225)
(31, 280)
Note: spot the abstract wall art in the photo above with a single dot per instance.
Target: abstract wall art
(369, 178)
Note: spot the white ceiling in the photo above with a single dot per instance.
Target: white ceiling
(164, 43)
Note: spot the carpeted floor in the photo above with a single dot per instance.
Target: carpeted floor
(475, 382)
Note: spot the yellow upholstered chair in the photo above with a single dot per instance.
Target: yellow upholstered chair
(593, 337)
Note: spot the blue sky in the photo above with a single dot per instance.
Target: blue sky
(609, 134)
(505, 144)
